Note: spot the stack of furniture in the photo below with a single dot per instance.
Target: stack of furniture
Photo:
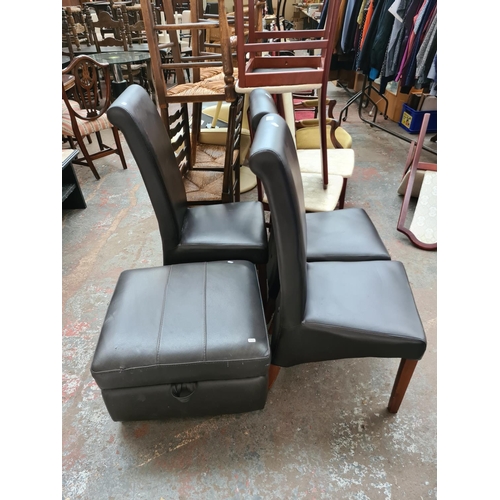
(210, 170)
(190, 338)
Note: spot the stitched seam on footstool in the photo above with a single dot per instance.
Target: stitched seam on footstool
(205, 315)
(158, 342)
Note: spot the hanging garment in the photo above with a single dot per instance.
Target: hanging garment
(350, 26)
(401, 32)
(377, 38)
(426, 52)
(408, 75)
(368, 19)
(338, 27)
(361, 13)
(359, 38)
(409, 44)
(432, 75)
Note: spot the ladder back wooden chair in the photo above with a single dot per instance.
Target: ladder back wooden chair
(212, 80)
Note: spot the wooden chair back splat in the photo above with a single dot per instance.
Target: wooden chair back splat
(87, 115)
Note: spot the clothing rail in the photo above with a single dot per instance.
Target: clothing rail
(363, 94)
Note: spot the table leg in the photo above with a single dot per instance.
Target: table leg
(119, 84)
(149, 76)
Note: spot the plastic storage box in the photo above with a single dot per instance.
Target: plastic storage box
(411, 120)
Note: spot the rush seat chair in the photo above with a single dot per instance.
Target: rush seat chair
(88, 114)
(330, 310)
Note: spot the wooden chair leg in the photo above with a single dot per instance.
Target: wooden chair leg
(119, 148)
(273, 374)
(99, 141)
(342, 194)
(403, 377)
(88, 157)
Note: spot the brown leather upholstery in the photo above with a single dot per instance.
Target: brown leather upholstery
(183, 340)
(189, 234)
(327, 310)
(340, 235)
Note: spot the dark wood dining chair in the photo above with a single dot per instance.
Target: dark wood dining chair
(117, 36)
(330, 310)
(419, 182)
(78, 27)
(87, 114)
(67, 41)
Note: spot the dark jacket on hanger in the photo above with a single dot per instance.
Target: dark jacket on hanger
(374, 47)
(408, 74)
(350, 25)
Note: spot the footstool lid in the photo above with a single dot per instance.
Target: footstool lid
(183, 323)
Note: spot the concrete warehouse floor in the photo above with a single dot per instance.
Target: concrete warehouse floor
(325, 432)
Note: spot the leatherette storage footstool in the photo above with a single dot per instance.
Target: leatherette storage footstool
(184, 340)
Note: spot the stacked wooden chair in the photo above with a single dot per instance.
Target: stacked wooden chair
(210, 171)
(265, 63)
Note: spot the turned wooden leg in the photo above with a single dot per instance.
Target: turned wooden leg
(403, 377)
(273, 374)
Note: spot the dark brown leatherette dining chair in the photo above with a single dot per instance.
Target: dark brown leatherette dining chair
(225, 231)
(339, 235)
(330, 310)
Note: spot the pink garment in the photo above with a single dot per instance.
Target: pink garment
(409, 45)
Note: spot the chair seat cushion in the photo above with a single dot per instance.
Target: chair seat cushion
(424, 221)
(203, 185)
(86, 127)
(234, 231)
(316, 197)
(308, 137)
(356, 309)
(340, 161)
(212, 157)
(343, 235)
(183, 323)
(211, 84)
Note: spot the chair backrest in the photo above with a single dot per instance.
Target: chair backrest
(92, 81)
(136, 33)
(134, 113)
(260, 104)
(273, 159)
(67, 41)
(200, 58)
(76, 25)
(114, 27)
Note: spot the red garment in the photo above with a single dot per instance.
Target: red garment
(368, 19)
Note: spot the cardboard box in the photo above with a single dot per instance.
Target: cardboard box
(395, 101)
